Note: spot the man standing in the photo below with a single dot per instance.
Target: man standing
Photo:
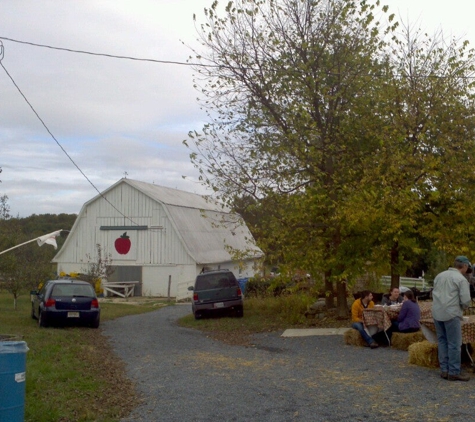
(365, 301)
(451, 295)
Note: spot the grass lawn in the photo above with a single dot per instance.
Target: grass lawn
(71, 373)
(261, 315)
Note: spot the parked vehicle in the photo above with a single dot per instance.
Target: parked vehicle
(66, 301)
(216, 292)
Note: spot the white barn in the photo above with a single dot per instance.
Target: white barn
(156, 234)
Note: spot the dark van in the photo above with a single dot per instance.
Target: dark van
(216, 291)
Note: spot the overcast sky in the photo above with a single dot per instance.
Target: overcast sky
(116, 116)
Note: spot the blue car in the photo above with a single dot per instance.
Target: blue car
(66, 302)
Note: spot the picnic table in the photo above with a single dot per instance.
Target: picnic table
(468, 329)
(379, 318)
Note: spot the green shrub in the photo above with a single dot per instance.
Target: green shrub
(257, 287)
(267, 286)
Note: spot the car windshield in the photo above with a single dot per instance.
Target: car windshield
(215, 281)
(70, 290)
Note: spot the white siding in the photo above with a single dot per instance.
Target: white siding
(69, 267)
(160, 246)
(243, 269)
(155, 279)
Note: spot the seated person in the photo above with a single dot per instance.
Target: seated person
(364, 302)
(393, 298)
(410, 315)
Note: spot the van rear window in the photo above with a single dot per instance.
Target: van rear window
(215, 281)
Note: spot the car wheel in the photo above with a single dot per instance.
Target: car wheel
(41, 320)
(96, 323)
(198, 315)
(239, 312)
(33, 311)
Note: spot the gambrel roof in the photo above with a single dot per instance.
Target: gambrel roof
(174, 197)
(208, 230)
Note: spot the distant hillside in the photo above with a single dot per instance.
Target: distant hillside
(46, 223)
(37, 225)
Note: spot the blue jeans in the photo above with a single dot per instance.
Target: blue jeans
(449, 339)
(360, 327)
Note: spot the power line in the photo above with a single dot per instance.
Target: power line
(51, 134)
(113, 56)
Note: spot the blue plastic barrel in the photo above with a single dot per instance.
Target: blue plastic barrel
(242, 284)
(12, 380)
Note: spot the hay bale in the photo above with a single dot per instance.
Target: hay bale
(353, 337)
(424, 354)
(402, 341)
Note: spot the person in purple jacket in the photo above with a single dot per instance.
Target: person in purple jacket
(409, 316)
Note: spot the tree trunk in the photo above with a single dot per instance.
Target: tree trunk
(342, 303)
(329, 297)
(395, 265)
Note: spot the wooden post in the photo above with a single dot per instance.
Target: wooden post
(169, 286)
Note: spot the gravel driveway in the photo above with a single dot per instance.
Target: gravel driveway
(183, 375)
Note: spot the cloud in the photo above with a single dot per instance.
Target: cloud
(111, 116)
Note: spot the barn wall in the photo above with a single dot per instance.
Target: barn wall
(243, 269)
(155, 279)
(158, 245)
(68, 268)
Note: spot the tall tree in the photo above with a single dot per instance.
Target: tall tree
(282, 82)
(416, 183)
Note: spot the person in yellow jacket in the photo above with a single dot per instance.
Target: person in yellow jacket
(359, 305)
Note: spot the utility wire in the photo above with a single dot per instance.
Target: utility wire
(106, 55)
(51, 134)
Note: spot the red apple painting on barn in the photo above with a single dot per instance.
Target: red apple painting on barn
(122, 244)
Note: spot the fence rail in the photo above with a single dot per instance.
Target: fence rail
(419, 283)
(120, 288)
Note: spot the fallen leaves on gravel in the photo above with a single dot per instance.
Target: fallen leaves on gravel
(119, 395)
